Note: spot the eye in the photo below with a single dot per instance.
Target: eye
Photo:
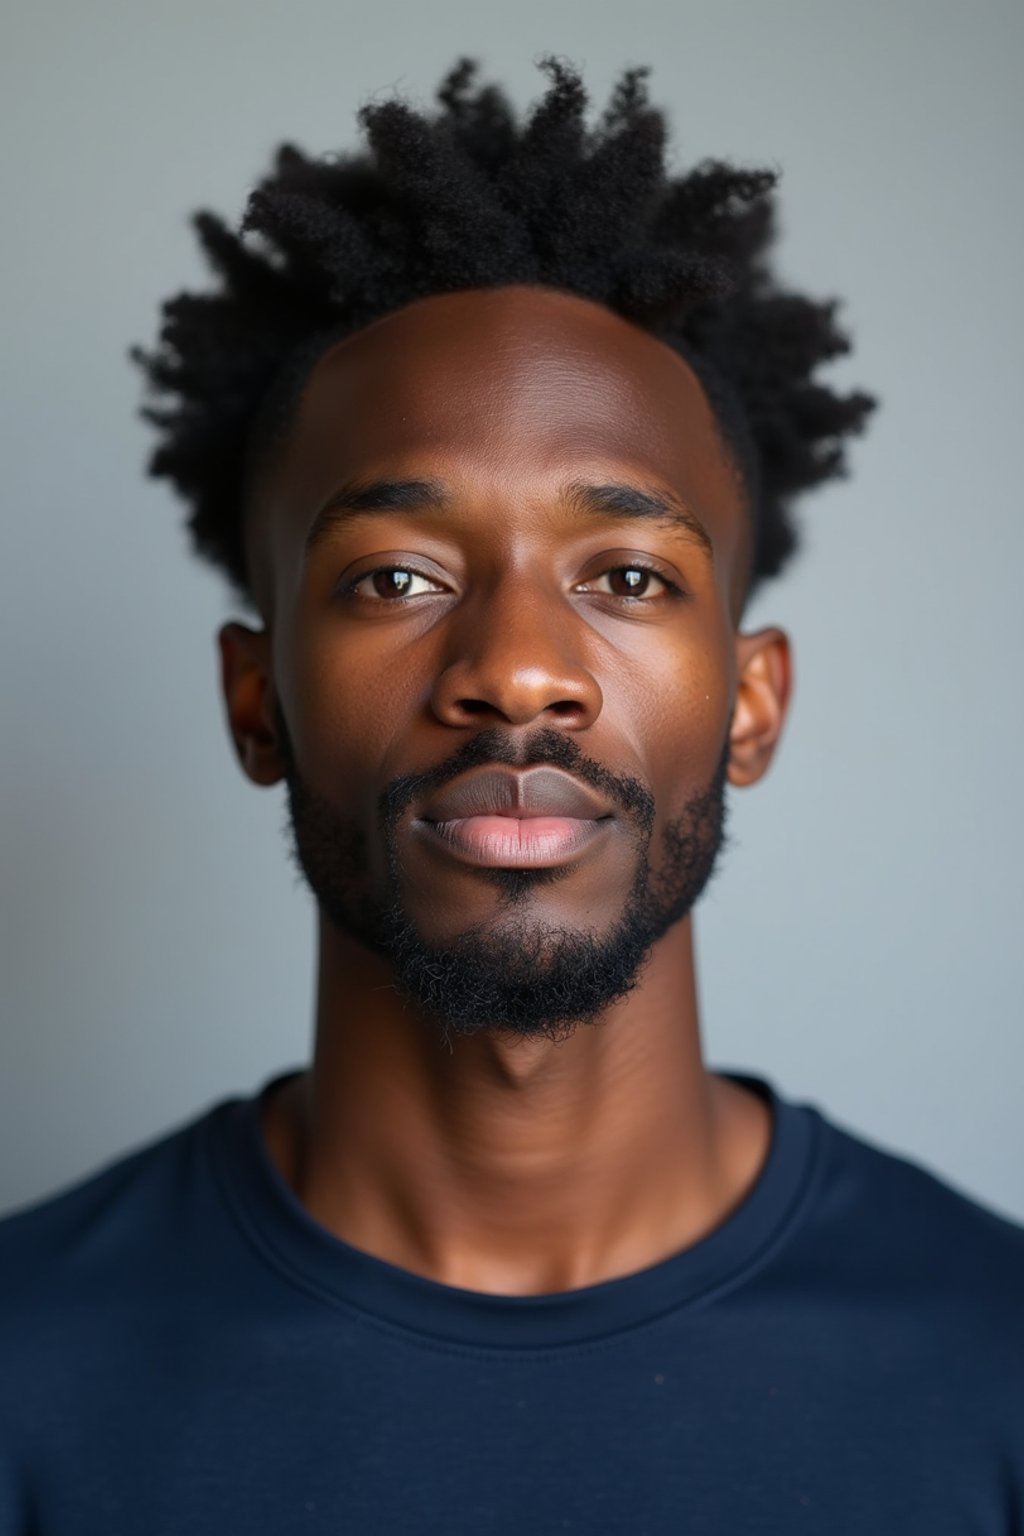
(634, 580)
(391, 583)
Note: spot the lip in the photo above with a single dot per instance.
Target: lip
(514, 842)
(523, 794)
(507, 818)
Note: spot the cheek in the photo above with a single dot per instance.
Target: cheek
(688, 711)
(345, 710)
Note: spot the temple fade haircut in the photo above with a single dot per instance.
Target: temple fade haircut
(470, 196)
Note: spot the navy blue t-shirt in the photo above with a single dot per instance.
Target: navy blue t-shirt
(184, 1350)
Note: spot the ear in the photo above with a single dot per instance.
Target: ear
(763, 691)
(248, 689)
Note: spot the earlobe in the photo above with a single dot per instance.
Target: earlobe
(763, 690)
(248, 692)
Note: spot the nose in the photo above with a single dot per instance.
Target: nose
(514, 656)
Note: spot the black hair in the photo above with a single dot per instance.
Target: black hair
(470, 196)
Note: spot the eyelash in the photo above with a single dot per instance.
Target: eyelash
(673, 590)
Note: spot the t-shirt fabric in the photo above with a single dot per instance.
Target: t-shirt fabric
(184, 1351)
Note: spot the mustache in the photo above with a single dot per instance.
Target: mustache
(545, 746)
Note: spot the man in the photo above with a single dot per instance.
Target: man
(496, 426)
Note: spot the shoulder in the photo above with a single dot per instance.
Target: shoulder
(906, 1289)
(918, 1208)
(904, 1239)
(98, 1282)
(100, 1229)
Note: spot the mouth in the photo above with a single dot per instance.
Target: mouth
(514, 842)
(502, 818)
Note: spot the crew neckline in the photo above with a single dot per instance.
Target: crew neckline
(312, 1257)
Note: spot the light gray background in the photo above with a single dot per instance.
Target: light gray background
(861, 945)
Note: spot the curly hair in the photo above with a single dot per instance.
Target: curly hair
(470, 196)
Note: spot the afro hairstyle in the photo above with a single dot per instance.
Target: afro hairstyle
(473, 196)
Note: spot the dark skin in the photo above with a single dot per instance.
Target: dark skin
(490, 1162)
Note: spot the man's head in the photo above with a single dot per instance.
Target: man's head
(522, 419)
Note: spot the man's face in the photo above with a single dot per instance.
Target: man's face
(503, 531)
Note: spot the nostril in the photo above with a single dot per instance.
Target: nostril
(560, 709)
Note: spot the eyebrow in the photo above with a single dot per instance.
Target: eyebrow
(611, 500)
(621, 500)
(362, 496)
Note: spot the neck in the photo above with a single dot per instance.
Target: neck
(512, 1166)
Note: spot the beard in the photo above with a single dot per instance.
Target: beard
(524, 978)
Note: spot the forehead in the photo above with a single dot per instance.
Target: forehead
(509, 392)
